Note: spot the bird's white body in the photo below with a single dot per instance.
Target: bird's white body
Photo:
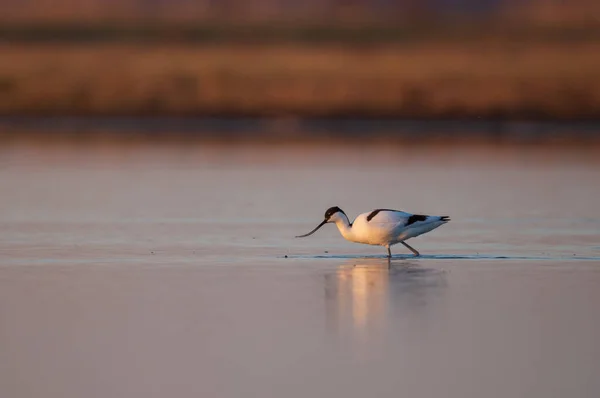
(382, 227)
(385, 228)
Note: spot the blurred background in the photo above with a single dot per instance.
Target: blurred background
(433, 59)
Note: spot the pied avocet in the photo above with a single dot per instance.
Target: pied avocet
(381, 227)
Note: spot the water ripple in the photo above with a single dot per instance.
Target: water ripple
(450, 257)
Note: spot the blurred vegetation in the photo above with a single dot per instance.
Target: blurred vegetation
(492, 58)
(293, 33)
(396, 11)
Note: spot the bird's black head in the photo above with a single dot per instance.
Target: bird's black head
(331, 211)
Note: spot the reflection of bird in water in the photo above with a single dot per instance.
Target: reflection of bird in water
(365, 292)
(358, 294)
(381, 227)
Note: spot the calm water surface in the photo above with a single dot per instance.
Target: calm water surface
(146, 270)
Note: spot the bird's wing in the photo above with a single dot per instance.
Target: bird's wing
(388, 216)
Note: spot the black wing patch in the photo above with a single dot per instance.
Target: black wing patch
(375, 212)
(414, 218)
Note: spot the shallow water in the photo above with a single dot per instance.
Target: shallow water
(147, 270)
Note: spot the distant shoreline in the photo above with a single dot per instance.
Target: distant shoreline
(303, 129)
(294, 32)
(496, 80)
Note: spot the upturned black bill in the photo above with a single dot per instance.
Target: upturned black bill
(314, 230)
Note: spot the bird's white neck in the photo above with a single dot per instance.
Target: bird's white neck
(344, 226)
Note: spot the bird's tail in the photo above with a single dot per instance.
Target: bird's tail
(444, 218)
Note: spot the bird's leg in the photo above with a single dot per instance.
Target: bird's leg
(416, 253)
(389, 252)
